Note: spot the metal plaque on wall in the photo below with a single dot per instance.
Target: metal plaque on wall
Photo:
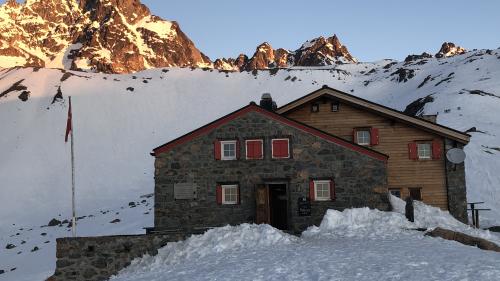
(185, 191)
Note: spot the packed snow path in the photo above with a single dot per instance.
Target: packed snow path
(356, 244)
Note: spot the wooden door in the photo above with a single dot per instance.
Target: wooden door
(262, 204)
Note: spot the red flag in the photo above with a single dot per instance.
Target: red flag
(69, 123)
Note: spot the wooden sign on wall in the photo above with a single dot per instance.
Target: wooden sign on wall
(185, 191)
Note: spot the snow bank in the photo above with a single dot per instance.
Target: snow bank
(432, 217)
(227, 239)
(365, 222)
(360, 222)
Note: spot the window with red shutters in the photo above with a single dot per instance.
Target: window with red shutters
(254, 149)
(280, 148)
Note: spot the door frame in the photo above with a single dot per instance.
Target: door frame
(285, 182)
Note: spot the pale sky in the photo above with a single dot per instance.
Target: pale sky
(371, 30)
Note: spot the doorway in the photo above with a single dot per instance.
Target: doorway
(278, 206)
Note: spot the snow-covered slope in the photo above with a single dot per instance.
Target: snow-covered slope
(118, 119)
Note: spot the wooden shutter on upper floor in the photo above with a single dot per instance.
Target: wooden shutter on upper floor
(254, 149)
(238, 149)
(354, 136)
(374, 137)
(436, 149)
(217, 150)
(412, 151)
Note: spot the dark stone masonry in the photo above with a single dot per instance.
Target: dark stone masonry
(457, 192)
(360, 180)
(98, 258)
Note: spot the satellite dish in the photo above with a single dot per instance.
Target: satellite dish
(455, 155)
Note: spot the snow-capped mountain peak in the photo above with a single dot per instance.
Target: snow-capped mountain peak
(449, 49)
(99, 35)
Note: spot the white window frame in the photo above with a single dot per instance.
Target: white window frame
(272, 149)
(422, 156)
(222, 143)
(363, 131)
(229, 186)
(261, 148)
(316, 195)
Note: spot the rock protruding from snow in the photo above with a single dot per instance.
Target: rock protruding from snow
(323, 51)
(99, 35)
(449, 49)
(316, 52)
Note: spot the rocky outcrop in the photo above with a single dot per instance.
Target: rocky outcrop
(316, 52)
(122, 36)
(449, 49)
(114, 36)
(464, 239)
(323, 51)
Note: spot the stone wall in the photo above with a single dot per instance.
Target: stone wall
(455, 180)
(360, 180)
(98, 258)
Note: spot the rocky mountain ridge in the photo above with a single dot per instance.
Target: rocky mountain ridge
(122, 36)
(112, 36)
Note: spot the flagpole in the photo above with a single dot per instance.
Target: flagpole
(73, 224)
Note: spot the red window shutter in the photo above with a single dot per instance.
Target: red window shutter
(436, 149)
(374, 136)
(354, 136)
(412, 151)
(258, 149)
(254, 149)
(238, 149)
(332, 190)
(217, 151)
(218, 194)
(249, 149)
(238, 195)
(311, 190)
(280, 148)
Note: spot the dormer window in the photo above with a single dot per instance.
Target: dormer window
(315, 107)
(335, 106)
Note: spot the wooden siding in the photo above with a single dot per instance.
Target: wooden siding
(394, 137)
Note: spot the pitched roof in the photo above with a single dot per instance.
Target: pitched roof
(377, 109)
(252, 107)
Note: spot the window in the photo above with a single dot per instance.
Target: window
(416, 193)
(315, 107)
(424, 150)
(280, 148)
(254, 149)
(322, 190)
(395, 191)
(335, 106)
(228, 149)
(363, 137)
(230, 194)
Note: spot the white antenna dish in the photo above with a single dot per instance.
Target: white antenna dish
(455, 155)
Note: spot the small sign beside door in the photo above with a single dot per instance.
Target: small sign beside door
(304, 206)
